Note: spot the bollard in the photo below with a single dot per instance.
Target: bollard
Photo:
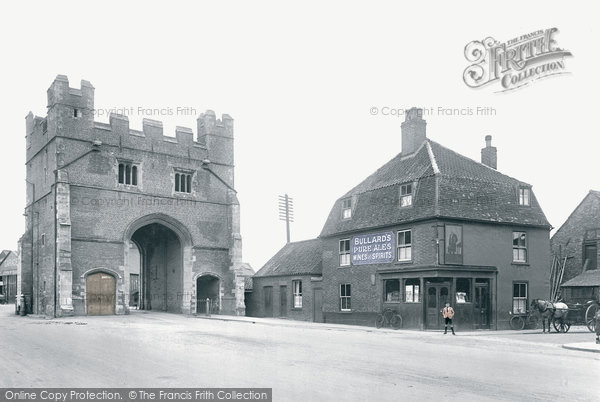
(207, 307)
(23, 306)
(16, 305)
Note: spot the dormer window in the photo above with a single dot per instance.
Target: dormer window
(524, 196)
(406, 191)
(347, 208)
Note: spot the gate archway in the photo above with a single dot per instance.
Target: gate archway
(208, 287)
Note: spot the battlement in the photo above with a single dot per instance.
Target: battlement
(71, 115)
(60, 93)
(151, 130)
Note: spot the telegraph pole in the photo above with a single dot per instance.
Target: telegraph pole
(286, 212)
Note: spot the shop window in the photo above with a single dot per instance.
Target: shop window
(344, 252)
(392, 290)
(519, 298)
(345, 297)
(412, 292)
(406, 191)
(519, 247)
(463, 290)
(297, 287)
(347, 208)
(404, 245)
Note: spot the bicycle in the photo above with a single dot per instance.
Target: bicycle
(520, 321)
(389, 318)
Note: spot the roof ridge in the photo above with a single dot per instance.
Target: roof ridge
(436, 169)
(477, 163)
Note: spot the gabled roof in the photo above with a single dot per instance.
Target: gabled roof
(591, 193)
(449, 185)
(297, 258)
(590, 277)
(8, 262)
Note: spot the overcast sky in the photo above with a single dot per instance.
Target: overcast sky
(300, 81)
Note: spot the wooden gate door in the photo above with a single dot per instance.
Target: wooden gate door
(101, 294)
(268, 291)
(283, 301)
(482, 305)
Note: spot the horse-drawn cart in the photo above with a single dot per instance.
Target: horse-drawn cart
(564, 315)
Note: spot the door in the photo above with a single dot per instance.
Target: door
(590, 256)
(268, 294)
(482, 304)
(100, 294)
(283, 301)
(437, 296)
(317, 305)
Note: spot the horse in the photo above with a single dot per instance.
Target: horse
(550, 312)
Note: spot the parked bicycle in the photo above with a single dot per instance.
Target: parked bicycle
(522, 321)
(389, 318)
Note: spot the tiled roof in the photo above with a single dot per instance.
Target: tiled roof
(8, 262)
(297, 258)
(588, 278)
(466, 189)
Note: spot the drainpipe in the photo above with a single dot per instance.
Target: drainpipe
(31, 228)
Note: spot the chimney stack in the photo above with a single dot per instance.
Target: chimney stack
(489, 154)
(413, 131)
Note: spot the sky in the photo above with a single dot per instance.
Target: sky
(311, 87)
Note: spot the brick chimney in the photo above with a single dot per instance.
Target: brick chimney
(413, 131)
(489, 154)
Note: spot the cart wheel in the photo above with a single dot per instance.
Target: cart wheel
(589, 317)
(396, 322)
(517, 323)
(556, 325)
(379, 321)
(565, 326)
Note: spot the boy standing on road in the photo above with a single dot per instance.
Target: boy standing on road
(448, 313)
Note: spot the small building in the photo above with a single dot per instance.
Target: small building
(578, 239)
(430, 226)
(289, 285)
(8, 276)
(583, 288)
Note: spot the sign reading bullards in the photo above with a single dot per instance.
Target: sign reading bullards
(514, 63)
(375, 248)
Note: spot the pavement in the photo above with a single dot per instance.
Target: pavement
(590, 346)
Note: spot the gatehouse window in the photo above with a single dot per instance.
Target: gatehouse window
(347, 208)
(519, 298)
(519, 247)
(297, 288)
(463, 290)
(406, 191)
(412, 293)
(183, 182)
(404, 245)
(392, 290)
(345, 295)
(128, 173)
(524, 195)
(344, 252)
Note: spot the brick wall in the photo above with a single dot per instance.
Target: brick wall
(277, 285)
(569, 238)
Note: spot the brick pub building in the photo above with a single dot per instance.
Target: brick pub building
(429, 227)
(120, 218)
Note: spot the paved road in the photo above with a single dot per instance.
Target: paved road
(299, 361)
